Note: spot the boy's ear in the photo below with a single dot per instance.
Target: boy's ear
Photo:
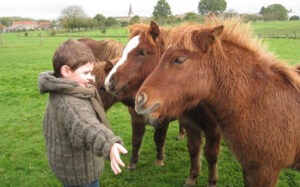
(65, 70)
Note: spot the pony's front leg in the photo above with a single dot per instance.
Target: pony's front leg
(194, 141)
(160, 139)
(138, 124)
(211, 152)
(258, 175)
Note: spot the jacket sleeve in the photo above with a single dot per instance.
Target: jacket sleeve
(86, 131)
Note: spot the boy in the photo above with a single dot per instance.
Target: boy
(75, 128)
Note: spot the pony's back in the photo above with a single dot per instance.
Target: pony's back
(104, 50)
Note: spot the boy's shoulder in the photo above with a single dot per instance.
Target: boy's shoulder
(69, 101)
(67, 98)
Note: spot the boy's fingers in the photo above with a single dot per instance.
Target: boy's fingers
(118, 159)
(123, 150)
(115, 167)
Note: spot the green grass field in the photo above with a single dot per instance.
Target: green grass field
(22, 152)
(277, 28)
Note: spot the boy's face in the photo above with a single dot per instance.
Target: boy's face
(82, 74)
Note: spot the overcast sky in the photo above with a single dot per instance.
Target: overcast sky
(51, 9)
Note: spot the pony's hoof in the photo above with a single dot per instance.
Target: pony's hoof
(213, 182)
(131, 167)
(212, 185)
(159, 162)
(190, 182)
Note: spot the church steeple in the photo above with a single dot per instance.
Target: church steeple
(130, 12)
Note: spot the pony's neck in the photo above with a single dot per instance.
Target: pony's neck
(243, 76)
(233, 81)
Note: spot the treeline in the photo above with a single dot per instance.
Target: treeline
(74, 17)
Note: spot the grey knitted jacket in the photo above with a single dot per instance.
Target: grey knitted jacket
(76, 140)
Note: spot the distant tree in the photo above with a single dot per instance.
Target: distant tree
(190, 16)
(100, 20)
(294, 18)
(73, 17)
(213, 6)
(6, 21)
(262, 10)
(134, 19)
(162, 10)
(110, 21)
(124, 23)
(275, 12)
(88, 23)
(171, 20)
(251, 17)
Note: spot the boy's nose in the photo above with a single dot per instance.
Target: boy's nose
(91, 78)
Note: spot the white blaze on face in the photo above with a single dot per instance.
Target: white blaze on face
(133, 43)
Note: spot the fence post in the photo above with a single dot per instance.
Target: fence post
(1, 43)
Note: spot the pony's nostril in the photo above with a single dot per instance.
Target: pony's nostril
(155, 107)
(141, 99)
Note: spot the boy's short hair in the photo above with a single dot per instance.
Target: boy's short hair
(72, 53)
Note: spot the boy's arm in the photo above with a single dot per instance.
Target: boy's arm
(85, 130)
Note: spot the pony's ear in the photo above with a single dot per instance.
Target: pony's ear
(154, 30)
(204, 39)
(217, 31)
(108, 66)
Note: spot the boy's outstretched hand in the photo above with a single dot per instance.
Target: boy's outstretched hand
(115, 159)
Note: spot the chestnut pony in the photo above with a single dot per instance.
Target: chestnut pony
(140, 57)
(254, 96)
(107, 52)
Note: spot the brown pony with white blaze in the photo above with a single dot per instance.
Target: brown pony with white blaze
(127, 96)
(107, 53)
(254, 97)
(140, 57)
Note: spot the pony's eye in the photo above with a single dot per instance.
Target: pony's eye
(179, 60)
(143, 52)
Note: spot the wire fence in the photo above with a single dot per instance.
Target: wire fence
(26, 41)
(287, 35)
(7, 41)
